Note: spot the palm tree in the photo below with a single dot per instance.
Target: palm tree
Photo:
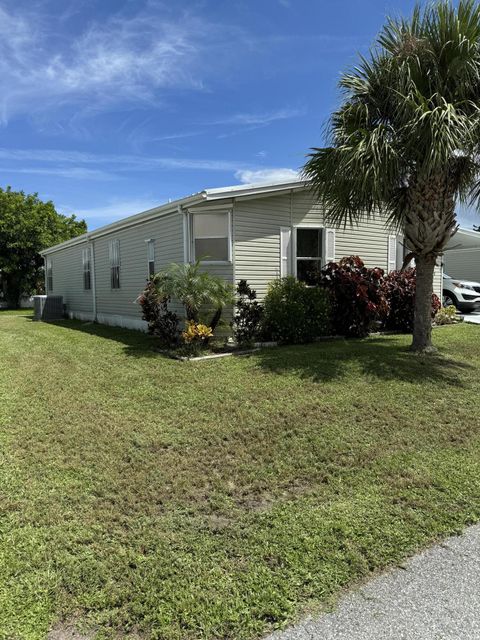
(406, 138)
(195, 289)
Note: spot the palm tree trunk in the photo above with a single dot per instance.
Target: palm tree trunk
(422, 326)
(216, 318)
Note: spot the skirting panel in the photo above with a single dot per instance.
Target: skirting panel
(113, 320)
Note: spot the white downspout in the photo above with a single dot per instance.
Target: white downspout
(186, 235)
(293, 240)
(45, 274)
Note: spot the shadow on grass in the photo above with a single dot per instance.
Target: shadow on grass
(136, 343)
(382, 358)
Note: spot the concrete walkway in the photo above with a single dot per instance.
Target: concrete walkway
(472, 318)
(434, 596)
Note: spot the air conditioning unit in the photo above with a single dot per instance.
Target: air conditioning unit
(48, 308)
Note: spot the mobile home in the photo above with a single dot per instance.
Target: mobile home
(252, 232)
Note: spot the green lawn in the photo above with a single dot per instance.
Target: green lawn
(16, 312)
(152, 498)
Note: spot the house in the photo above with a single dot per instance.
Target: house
(461, 259)
(252, 232)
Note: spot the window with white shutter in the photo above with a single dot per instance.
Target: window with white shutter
(392, 253)
(329, 245)
(285, 252)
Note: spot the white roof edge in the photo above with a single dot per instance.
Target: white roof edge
(137, 218)
(252, 189)
(236, 191)
(468, 232)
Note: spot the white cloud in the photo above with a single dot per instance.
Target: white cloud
(121, 59)
(262, 176)
(111, 166)
(117, 162)
(267, 117)
(77, 173)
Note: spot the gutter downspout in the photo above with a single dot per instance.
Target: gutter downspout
(94, 280)
(186, 235)
(293, 240)
(45, 273)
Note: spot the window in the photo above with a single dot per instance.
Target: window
(211, 236)
(151, 258)
(114, 254)
(49, 276)
(87, 273)
(309, 254)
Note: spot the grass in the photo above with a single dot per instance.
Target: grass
(16, 312)
(149, 498)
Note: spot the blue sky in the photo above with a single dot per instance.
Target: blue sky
(109, 107)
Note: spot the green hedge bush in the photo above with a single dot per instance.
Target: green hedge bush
(295, 313)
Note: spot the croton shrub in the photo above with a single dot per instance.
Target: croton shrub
(356, 293)
(162, 323)
(399, 290)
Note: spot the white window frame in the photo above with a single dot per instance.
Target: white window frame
(49, 273)
(114, 257)
(227, 212)
(322, 249)
(87, 267)
(150, 256)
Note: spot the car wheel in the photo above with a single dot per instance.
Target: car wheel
(449, 300)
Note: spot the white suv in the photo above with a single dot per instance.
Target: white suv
(463, 294)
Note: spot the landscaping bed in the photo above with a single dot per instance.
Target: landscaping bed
(144, 499)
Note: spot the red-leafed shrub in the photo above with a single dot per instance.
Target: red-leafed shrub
(162, 323)
(399, 289)
(356, 293)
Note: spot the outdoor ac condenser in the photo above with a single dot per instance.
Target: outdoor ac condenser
(48, 308)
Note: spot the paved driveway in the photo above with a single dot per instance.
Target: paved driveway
(473, 318)
(433, 596)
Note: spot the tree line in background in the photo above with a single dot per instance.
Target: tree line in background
(27, 226)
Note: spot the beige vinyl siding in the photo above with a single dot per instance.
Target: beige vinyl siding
(462, 264)
(257, 225)
(67, 272)
(367, 239)
(114, 304)
(167, 231)
(256, 234)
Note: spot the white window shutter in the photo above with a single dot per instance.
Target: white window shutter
(392, 253)
(285, 251)
(329, 245)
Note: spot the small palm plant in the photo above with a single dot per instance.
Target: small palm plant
(196, 290)
(406, 140)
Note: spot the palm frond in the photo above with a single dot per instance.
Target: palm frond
(410, 112)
